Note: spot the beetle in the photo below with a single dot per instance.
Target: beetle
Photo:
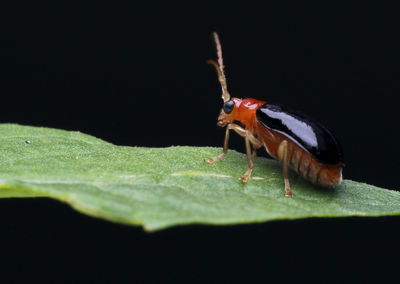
(294, 139)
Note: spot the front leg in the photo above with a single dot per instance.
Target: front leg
(220, 156)
(249, 138)
(250, 162)
(242, 132)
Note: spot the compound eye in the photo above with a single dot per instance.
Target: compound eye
(228, 106)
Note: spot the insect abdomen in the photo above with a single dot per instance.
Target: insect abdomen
(311, 169)
(300, 160)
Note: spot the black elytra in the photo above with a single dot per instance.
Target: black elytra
(309, 134)
(228, 106)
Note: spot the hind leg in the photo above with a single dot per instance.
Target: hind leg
(283, 156)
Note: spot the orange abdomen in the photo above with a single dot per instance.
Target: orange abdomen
(300, 160)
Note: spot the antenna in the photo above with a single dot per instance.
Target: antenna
(220, 68)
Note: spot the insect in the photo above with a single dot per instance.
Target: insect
(294, 139)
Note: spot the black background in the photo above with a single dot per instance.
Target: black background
(134, 73)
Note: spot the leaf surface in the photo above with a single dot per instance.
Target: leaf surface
(163, 187)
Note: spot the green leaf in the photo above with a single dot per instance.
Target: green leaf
(163, 187)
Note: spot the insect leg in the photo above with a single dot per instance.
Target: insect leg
(283, 156)
(220, 156)
(255, 143)
(242, 132)
(255, 148)
(248, 152)
(249, 138)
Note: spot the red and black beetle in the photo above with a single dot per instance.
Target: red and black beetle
(294, 139)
